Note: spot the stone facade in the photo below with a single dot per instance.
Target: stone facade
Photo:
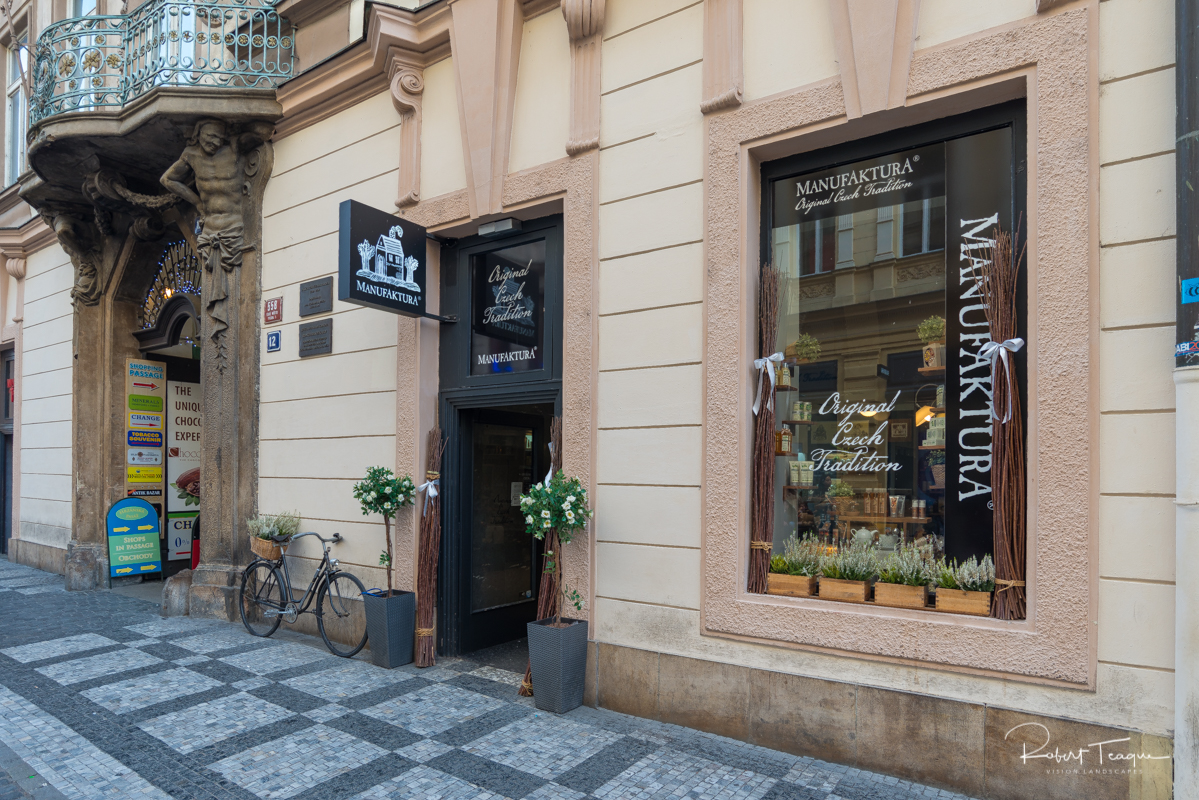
(644, 125)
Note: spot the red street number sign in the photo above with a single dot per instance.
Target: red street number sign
(272, 310)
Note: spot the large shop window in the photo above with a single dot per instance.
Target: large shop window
(883, 408)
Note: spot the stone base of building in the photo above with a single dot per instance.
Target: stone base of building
(966, 747)
(213, 592)
(86, 567)
(41, 556)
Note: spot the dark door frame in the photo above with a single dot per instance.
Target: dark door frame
(461, 392)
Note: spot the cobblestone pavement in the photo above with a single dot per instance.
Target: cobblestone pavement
(102, 698)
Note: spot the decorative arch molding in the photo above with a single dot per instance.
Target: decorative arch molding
(165, 330)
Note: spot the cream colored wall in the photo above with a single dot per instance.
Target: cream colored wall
(647, 575)
(325, 419)
(651, 316)
(541, 112)
(788, 43)
(1136, 342)
(442, 168)
(45, 395)
(944, 20)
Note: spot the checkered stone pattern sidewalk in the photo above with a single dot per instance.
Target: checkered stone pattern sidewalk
(106, 700)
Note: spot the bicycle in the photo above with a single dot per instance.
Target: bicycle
(264, 585)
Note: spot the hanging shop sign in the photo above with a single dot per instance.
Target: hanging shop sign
(145, 412)
(978, 198)
(133, 535)
(381, 261)
(184, 421)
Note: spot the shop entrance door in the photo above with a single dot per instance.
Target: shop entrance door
(502, 455)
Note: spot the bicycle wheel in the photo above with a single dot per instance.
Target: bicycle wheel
(261, 591)
(343, 624)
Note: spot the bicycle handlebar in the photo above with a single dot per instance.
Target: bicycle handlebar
(332, 540)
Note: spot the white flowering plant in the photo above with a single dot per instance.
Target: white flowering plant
(381, 492)
(560, 505)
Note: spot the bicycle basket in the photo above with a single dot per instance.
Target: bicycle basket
(265, 548)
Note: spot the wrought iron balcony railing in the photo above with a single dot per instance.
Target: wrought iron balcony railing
(102, 62)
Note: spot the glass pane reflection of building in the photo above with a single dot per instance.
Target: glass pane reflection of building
(860, 403)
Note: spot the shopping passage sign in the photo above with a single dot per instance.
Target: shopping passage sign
(133, 533)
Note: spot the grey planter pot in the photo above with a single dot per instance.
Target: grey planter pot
(391, 628)
(559, 660)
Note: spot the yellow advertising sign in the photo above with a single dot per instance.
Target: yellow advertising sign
(143, 474)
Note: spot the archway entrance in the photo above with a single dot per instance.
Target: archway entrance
(170, 335)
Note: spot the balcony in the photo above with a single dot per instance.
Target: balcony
(124, 92)
(105, 62)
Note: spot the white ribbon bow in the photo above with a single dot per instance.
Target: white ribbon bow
(549, 475)
(766, 365)
(431, 488)
(997, 351)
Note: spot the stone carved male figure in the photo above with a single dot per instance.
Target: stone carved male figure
(220, 165)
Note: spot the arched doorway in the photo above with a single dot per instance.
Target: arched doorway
(170, 335)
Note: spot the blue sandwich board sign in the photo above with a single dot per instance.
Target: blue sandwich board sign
(133, 547)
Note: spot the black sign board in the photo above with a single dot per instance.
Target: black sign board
(381, 260)
(508, 309)
(316, 297)
(316, 338)
(978, 199)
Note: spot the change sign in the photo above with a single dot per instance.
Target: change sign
(133, 547)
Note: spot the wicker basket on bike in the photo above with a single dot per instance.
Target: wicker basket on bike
(271, 533)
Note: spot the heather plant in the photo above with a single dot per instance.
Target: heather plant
(858, 562)
(908, 566)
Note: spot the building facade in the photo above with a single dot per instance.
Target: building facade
(602, 183)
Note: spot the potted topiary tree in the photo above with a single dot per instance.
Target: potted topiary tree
(557, 645)
(390, 617)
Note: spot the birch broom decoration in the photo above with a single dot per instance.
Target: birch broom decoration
(998, 277)
(548, 601)
(430, 546)
(761, 532)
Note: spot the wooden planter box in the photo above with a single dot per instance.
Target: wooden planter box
(852, 591)
(898, 595)
(790, 585)
(959, 601)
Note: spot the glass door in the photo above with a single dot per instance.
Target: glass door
(499, 595)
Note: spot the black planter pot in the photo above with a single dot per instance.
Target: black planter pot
(559, 660)
(391, 628)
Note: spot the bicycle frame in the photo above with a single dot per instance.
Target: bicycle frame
(327, 567)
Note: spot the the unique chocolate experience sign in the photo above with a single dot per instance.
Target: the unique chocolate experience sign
(381, 260)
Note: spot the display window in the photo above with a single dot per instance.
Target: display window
(883, 396)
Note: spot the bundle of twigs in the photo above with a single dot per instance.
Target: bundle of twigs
(761, 531)
(1000, 274)
(548, 596)
(429, 509)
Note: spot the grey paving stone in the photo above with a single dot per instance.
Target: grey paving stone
(286, 767)
(92, 667)
(287, 697)
(130, 695)
(377, 732)
(669, 773)
(497, 778)
(605, 765)
(426, 783)
(54, 648)
(424, 750)
(433, 709)
(207, 723)
(327, 712)
(483, 724)
(281, 657)
(543, 745)
(345, 680)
